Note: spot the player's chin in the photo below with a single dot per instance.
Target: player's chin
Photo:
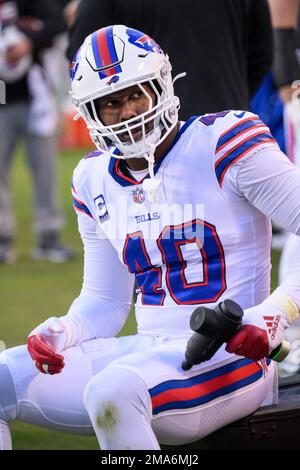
(136, 134)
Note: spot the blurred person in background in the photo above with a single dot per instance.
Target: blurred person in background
(69, 10)
(229, 40)
(286, 71)
(57, 65)
(27, 28)
(72, 134)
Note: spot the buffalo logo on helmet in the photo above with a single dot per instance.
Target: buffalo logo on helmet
(113, 79)
(139, 39)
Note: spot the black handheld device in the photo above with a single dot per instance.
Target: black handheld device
(212, 328)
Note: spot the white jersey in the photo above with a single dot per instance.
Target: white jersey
(202, 241)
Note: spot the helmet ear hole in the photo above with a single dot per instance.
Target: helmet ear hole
(93, 107)
(158, 87)
(97, 107)
(89, 108)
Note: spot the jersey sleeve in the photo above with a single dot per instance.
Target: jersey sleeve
(239, 135)
(271, 183)
(80, 202)
(105, 298)
(250, 164)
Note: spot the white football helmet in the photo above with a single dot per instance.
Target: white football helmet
(115, 58)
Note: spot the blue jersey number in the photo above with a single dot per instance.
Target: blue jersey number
(170, 243)
(148, 277)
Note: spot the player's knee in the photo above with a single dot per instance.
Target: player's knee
(112, 389)
(8, 399)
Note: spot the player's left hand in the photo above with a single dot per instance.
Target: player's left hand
(263, 330)
(45, 359)
(44, 344)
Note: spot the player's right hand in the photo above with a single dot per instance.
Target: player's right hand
(44, 344)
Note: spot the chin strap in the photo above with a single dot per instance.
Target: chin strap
(150, 185)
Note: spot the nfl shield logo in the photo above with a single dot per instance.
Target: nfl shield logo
(138, 195)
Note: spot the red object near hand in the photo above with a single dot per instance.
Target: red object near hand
(46, 360)
(250, 341)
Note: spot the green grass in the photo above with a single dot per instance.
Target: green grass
(31, 291)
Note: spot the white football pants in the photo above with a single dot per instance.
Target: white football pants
(132, 392)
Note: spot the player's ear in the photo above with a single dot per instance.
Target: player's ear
(157, 86)
(159, 90)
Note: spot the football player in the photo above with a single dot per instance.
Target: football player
(184, 210)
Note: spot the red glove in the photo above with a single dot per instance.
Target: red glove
(46, 360)
(44, 344)
(250, 341)
(263, 330)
